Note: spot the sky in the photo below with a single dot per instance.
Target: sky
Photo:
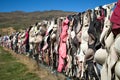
(45, 5)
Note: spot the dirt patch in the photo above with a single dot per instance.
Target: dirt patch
(8, 30)
(31, 64)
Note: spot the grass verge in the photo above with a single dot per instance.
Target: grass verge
(11, 69)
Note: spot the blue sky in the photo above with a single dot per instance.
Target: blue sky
(43, 5)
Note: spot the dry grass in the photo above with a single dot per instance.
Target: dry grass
(8, 30)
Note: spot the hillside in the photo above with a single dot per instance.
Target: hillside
(20, 20)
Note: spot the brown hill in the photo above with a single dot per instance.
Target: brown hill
(20, 20)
